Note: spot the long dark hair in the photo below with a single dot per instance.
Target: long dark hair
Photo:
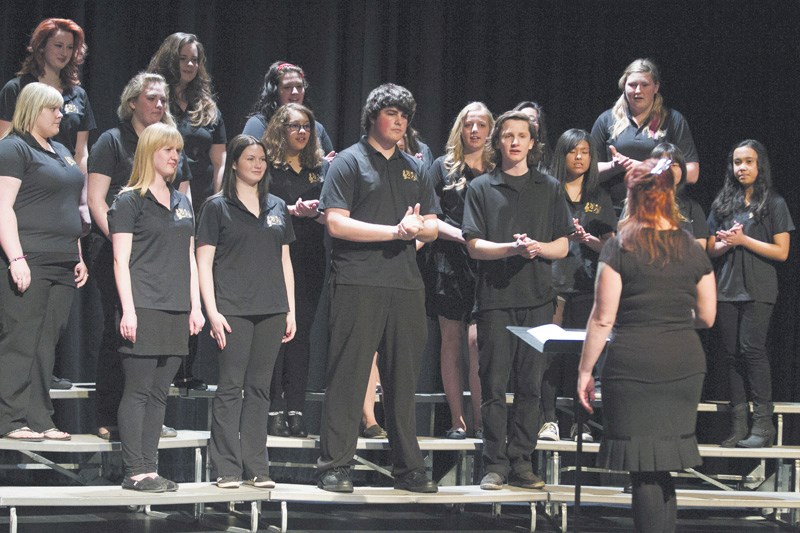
(568, 141)
(731, 198)
(199, 95)
(235, 148)
(671, 151)
(275, 138)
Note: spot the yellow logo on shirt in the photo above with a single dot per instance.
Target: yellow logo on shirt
(410, 175)
(274, 220)
(71, 162)
(591, 208)
(70, 108)
(314, 178)
(181, 213)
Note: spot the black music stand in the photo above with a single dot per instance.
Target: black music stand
(551, 338)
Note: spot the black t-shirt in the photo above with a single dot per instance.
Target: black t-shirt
(743, 275)
(576, 272)
(654, 334)
(47, 202)
(289, 186)
(638, 142)
(379, 191)
(451, 199)
(159, 263)
(197, 141)
(248, 272)
(256, 126)
(77, 111)
(112, 156)
(695, 218)
(499, 206)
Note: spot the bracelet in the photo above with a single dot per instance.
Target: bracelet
(16, 259)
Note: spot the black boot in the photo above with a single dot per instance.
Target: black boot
(276, 426)
(738, 425)
(763, 431)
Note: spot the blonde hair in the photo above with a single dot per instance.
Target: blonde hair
(34, 98)
(153, 138)
(454, 158)
(136, 86)
(620, 110)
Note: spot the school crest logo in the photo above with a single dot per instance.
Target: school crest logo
(70, 108)
(274, 220)
(591, 208)
(410, 175)
(181, 213)
(313, 177)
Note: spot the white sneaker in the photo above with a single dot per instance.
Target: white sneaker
(549, 431)
(587, 435)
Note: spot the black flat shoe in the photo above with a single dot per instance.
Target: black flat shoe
(191, 383)
(147, 484)
(60, 383)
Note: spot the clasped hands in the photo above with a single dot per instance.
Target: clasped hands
(526, 247)
(732, 237)
(411, 224)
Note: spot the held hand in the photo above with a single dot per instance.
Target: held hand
(81, 274)
(411, 224)
(586, 390)
(736, 236)
(219, 325)
(127, 326)
(330, 157)
(620, 160)
(20, 274)
(291, 328)
(196, 321)
(306, 208)
(527, 247)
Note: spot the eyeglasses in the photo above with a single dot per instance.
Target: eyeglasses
(294, 127)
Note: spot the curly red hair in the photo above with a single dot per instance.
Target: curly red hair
(34, 62)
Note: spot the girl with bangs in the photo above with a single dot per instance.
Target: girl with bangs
(152, 234)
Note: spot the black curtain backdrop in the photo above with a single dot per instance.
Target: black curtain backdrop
(730, 66)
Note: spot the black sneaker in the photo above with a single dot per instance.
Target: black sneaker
(147, 484)
(260, 482)
(297, 427)
(276, 426)
(335, 480)
(416, 481)
(525, 480)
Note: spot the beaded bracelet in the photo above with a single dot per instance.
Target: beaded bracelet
(16, 259)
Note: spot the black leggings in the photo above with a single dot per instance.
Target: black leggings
(141, 410)
(655, 506)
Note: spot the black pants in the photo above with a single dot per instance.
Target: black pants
(364, 320)
(290, 378)
(743, 328)
(108, 376)
(503, 357)
(239, 416)
(561, 372)
(30, 326)
(141, 410)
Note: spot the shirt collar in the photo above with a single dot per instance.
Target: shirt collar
(370, 150)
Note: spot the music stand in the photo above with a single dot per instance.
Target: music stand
(551, 338)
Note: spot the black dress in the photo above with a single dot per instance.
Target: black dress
(654, 373)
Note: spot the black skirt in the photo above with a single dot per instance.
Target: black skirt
(650, 427)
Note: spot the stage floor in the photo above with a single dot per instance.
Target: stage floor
(346, 518)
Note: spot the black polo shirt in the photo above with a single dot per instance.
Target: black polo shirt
(637, 142)
(112, 156)
(289, 186)
(77, 111)
(197, 141)
(256, 126)
(47, 202)
(576, 272)
(379, 191)
(159, 263)
(499, 206)
(248, 273)
(695, 219)
(743, 275)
